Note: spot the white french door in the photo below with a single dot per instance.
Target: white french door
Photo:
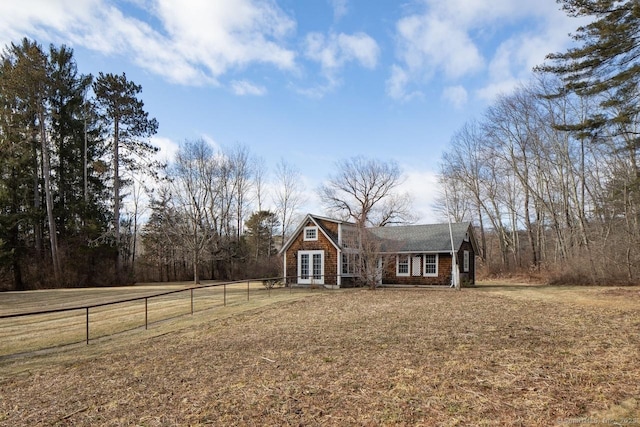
(311, 267)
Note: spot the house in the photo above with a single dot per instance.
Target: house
(330, 252)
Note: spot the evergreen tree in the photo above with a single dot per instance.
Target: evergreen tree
(16, 174)
(260, 229)
(68, 113)
(128, 125)
(605, 61)
(43, 135)
(28, 86)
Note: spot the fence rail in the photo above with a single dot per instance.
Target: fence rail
(229, 289)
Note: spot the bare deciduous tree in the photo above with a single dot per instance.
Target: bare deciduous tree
(366, 192)
(241, 174)
(556, 198)
(288, 194)
(191, 196)
(259, 181)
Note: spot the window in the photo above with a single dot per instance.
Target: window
(431, 265)
(311, 233)
(349, 262)
(465, 261)
(402, 265)
(349, 237)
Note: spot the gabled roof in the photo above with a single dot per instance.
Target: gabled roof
(316, 220)
(422, 238)
(405, 238)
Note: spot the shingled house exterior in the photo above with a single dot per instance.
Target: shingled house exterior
(325, 251)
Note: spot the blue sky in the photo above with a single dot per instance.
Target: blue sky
(313, 81)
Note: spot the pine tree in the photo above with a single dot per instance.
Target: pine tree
(605, 61)
(68, 113)
(260, 229)
(128, 124)
(16, 173)
(28, 86)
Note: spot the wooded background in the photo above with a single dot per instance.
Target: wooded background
(548, 175)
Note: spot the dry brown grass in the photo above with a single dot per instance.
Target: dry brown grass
(408, 357)
(31, 333)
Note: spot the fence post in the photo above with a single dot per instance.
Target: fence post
(224, 285)
(248, 282)
(146, 317)
(87, 325)
(192, 301)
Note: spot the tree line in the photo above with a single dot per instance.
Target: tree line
(208, 219)
(67, 144)
(549, 174)
(84, 203)
(76, 165)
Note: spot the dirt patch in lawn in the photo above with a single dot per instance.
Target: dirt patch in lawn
(408, 357)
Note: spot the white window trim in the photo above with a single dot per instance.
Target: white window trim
(304, 233)
(424, 266)
(408, 258)
(310, 278)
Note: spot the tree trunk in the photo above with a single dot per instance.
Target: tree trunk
(196, 261)
(46, 166)
(116, 194)
(37, 227)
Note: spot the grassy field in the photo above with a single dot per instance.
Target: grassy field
(26, 334)
(499, 354)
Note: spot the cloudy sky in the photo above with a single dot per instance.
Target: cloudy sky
(311, 81)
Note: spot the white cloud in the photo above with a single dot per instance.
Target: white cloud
(423, 188)
(456, 39)
(340, 8)
(168, 148)
(318, 91)
(221, 35)
(333, 52)
(243, 87)
(456, 95)
(397, 85)
(515, 57)
(40, 17)
(212, 142)
(429, 44)
(192, 45)
(492, 90)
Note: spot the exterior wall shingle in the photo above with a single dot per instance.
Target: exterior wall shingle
(444, 274)
(328, 238)
(330, 255)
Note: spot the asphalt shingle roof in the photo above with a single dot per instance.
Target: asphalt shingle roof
(404, 238)
(421, 238)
